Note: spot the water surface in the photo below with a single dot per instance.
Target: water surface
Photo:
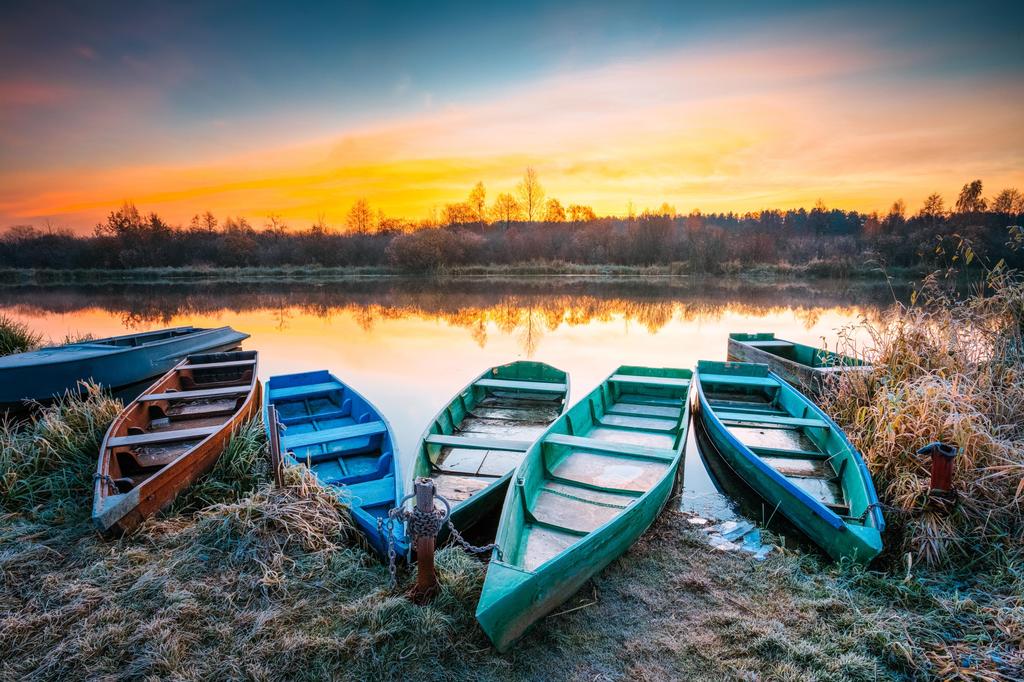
(409, 344)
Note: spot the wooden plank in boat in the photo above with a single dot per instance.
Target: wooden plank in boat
(649, 381)
(169, 436)
(330, 435)
(597, 445)
(220, 365)
(750, 418)
(469, 443)
(536, 386)
(200, 393)
(738, 380)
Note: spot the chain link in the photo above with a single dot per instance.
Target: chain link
(423, 525)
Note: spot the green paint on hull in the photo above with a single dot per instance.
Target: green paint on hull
(506, 407)
(793, 455)
(799, 364)
(584, 492)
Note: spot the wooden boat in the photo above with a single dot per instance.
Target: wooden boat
(793, 455)
(475, 442)
(584, 492)
(113, 362)
(346, 443)
(171, 434)
(804, 366)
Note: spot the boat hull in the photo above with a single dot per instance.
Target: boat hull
(115, 513)
(835, 535)
(49, 373)
(583, 494)
(360, 466)
(812, 380)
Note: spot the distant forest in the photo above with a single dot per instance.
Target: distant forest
(528, 227)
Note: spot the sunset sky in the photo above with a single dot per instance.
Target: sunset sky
(251, 110)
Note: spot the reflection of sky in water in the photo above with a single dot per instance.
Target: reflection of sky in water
(409, 352)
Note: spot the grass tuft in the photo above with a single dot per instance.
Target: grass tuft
(16, 337)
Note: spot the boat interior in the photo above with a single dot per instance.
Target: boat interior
(185, 407)
(483, 433)
(135, 340)
(337, 434)
(597, 459)
(780, 427)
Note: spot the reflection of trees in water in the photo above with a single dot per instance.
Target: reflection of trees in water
(528, 311)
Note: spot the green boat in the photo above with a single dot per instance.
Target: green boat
(793, 455)
(475, 442)
(584, 492)
(805, 366)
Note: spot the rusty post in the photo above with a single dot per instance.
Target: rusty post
(942, 465)
(275, 446)
(426, 578)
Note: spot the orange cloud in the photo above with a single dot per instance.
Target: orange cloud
(718, 130)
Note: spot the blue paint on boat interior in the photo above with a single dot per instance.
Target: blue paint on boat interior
(346, 443)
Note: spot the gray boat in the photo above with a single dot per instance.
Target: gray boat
(114, 362)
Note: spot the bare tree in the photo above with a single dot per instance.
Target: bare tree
(934, 206)
(553, 212)
(360, 217)
(1009, 201)
(506, 209)
(970, 200)
(531, 194)
(477, 203)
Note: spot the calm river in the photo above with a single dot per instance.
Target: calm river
(409, 345)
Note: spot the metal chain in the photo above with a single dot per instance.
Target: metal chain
(471, 548)
(423, 524)
(105, 478)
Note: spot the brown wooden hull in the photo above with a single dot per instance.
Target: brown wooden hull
(171, 435)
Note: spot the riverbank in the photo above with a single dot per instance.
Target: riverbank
(279, 274)
(241, 580)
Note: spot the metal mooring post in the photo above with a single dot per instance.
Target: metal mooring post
(275, 446)
(426, 578)
(942, 469)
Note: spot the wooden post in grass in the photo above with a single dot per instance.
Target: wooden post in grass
(426, 577)
(275, 446)
(942, 454)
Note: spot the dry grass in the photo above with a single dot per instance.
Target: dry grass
(947, 368)
(16, 337)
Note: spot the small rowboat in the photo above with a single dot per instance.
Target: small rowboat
(346, 443)
(114, 362)
(584, 492)
(793, 455)
(171, 434)
(804, 366)
(475, 442)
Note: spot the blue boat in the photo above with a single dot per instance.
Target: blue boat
(346, 443)
(114, 362)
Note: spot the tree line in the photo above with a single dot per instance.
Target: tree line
(526, 226)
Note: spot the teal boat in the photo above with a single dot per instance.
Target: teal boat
(804, 366)
(346, 443)
(793, 455)
(114, 362)
(584, 492)
(475, 442)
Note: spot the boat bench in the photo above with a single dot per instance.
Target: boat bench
(300, 440)
(649, 381)
(748, 417)
(372, 493)
(767, 344)
(169, 436)
(471, 443)
(739, 380)
(535, 386)
(221, 365)
(611, 447)
(194, 395)
(303, 391)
